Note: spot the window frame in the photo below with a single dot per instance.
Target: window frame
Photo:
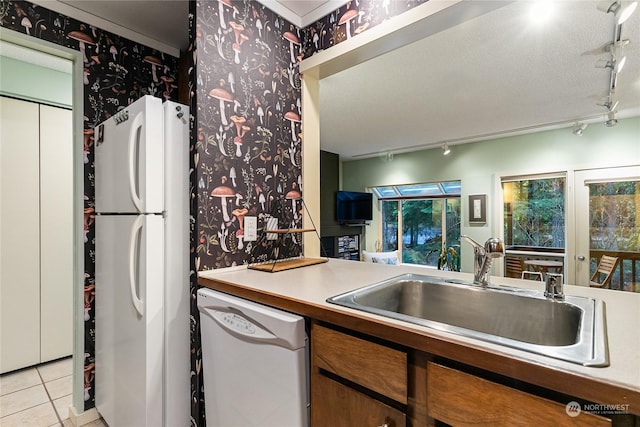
(566, 207)
(398, 198)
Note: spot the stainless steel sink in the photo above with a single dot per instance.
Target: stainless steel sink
(571, 330)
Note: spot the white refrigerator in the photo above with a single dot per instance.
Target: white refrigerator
(142, 364)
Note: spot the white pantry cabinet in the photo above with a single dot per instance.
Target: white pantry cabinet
(36, 234)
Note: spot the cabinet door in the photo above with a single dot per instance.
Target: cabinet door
(361, 362)
(19, 235)
(56, 233)
(334, 404)
(461, 399)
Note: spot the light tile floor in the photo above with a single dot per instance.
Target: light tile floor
(38, 396)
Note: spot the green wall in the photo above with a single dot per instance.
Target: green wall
(478, 165)
(28, 81)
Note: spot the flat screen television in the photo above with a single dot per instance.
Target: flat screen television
(353, 207)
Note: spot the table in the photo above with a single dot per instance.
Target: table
(544, 265)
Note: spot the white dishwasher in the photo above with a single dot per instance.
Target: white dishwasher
(255, 363)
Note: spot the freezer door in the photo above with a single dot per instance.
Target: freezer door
(129, 159)
(129, 319)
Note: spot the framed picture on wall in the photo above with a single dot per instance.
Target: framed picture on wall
(478, 209)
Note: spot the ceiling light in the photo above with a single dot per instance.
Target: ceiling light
(610, 104)
(578, 128)
(620, 8)
(608, 6)
(612, 63)
(620, 63)
(611, 119)
(626, 10)
(541, 11)
(605, 63)
(445, 150)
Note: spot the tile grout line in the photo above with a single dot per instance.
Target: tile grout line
(30, 407)
(46, 390)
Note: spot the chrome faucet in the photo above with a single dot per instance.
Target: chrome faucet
(484, 255)
(553, 287)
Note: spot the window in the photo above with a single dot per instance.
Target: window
(534, 213)
(423, 217)
(389, 210)
(614, 229)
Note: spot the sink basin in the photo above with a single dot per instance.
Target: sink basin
(572, 330)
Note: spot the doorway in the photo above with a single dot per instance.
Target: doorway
(38, 46)
(607, 207)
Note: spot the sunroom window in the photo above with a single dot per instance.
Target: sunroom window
(423, 217)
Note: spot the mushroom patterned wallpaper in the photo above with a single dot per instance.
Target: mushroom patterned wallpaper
(117, 71)
(353, 18)
(248, 137)
(245, 90)
(246, 140)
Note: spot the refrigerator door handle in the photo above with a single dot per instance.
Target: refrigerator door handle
(135, 229)
(134, 138)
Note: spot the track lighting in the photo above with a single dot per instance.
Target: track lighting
(446, 150)
(578, 128)
(612, 63)
(605, 63)
(620, 8)
(610, 104)
(608, 6)
(611, 119)
(626, 10)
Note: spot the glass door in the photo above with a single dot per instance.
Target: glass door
(607, 207)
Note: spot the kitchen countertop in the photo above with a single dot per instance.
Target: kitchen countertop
(304, 291)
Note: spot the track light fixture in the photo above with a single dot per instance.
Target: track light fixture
(611, 119)
(612, 63)
(626, 10)
(620, 8)
(578, 128)
(446, 150)
(611, 105)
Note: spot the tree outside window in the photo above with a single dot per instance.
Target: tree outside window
(534, 213)
(430, 226)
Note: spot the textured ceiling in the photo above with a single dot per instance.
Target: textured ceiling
(493, 75)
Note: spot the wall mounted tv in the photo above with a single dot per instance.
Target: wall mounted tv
(353, 207)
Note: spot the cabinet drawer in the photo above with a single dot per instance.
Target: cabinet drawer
(374, 366)
(334, 404)
(461, 399)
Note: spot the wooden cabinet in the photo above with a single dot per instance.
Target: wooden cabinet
(461, 399)
(356, 382)
(361, 381)
(338, 405)
(36, 231)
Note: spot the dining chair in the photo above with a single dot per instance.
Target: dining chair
(532, 275)
(513, 267)
(602, 276)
